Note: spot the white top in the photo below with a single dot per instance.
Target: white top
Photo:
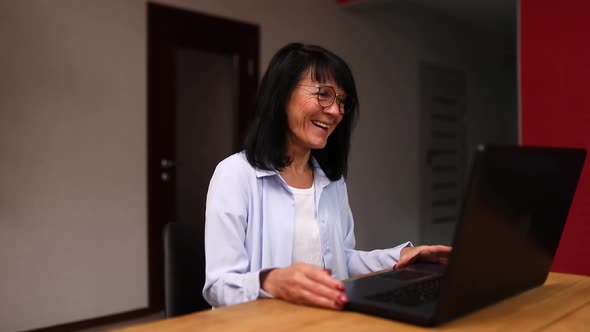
(307, 245)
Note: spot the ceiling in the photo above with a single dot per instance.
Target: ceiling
(493, 15)
(496, 16)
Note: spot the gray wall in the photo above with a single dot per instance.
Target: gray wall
(73, 134)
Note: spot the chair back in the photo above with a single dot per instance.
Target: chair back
(184, 268)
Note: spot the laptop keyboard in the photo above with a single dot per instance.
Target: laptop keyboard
(404, 275)
(415, 294)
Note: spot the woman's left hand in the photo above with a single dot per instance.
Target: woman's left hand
(432, 254)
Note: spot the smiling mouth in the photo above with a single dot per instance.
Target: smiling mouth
(320, 124)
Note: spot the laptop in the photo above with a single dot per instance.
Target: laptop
(513, 214)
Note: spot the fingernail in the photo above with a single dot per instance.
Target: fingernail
(340, 287)
(342, 298)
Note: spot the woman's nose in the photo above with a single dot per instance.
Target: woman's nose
(333, 109)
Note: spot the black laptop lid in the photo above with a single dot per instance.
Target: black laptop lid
(515, 209)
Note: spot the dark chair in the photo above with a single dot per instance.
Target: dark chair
(184, 268)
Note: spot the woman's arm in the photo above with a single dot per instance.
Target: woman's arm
(228, 280)
(362, 262)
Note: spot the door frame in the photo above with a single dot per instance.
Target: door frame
(441, 87)
(169, 29)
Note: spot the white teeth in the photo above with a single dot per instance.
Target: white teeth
(321, 124)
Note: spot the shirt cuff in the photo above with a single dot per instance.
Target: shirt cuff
(262, 294)
(398, 249)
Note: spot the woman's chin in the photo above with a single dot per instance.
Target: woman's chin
(318, 145)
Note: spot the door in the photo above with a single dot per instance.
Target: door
(202, 79)
(443, 145)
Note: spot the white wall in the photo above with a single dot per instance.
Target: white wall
(73, 135)
(72, 161)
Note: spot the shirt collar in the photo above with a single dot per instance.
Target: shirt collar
(321, 179)
(263, 172)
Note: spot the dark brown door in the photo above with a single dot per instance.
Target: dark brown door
(202, 79)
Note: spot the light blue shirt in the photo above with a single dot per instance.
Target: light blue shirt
(249, 226)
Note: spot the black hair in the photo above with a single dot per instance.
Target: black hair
(266, 142)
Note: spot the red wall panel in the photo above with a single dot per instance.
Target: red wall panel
(555, 100)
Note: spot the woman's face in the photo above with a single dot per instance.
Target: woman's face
(309, 123)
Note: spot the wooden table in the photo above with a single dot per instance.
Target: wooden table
(562, 304)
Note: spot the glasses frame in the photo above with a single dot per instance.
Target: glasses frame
(337, 97)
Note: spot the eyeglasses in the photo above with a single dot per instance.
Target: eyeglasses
(327, 95)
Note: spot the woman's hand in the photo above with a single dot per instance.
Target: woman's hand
(305, 284)
(432, 254)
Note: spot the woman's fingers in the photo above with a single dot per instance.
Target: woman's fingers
(319, 299)
(324, 277)
(437, 254)
(407, 256)
(311, 298)
(322, 286)
(308, 284)
(327, 287)
(433, 254)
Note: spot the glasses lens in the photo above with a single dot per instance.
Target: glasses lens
(326, 96)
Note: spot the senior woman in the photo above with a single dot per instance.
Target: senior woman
(278, 223)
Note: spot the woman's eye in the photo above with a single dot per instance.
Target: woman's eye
(323, 93)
